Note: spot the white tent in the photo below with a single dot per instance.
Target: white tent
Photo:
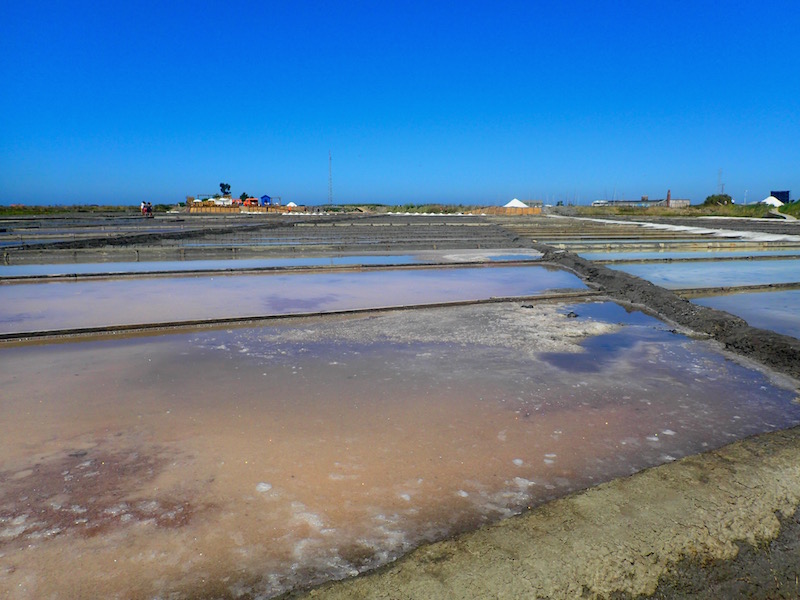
(772, 201)
(515, 204)
(291, 205)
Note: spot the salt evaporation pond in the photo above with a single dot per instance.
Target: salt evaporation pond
(711, 253)
(716, 274)
(225, 463)
(777, 311)
(242, 264)
(76, 304)
(201, 265)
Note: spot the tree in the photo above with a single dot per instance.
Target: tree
(244, 196)
(225, 188)
(718, 199)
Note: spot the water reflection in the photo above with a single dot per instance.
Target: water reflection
(600, 351)
(259, 460)
(242, 264)
(777, 311)
(45, 306)
(711, 253)
(716, 274)
(203, 265)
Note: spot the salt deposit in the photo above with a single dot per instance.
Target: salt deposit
(724, 233)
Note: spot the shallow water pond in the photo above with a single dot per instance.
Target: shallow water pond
(777, 311)
(716, 274)
(64, 304)
(257, 460)
(263, 263)
(202, 265)
(672, 254)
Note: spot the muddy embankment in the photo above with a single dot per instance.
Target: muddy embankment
(122, 240)
(778, 352)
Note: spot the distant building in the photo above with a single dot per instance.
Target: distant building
(270, 200)
(673, 203)
(782, 196)
(679, 203)
(645, 202)
(676, 202)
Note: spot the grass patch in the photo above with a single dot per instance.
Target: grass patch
(729, 210)
(792, 209)
(22, 210)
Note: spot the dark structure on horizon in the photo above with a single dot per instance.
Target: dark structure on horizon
(645, 202)
(783, 196)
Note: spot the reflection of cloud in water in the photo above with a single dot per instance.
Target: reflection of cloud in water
(603, 350)
(130, 301)
(22, 317)
(281, 304)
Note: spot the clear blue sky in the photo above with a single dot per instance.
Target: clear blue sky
(457, 102)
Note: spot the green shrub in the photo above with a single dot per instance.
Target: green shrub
(792, 209)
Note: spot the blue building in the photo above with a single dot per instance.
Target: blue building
(782, 196)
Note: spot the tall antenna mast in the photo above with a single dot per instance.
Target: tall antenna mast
(330, 179)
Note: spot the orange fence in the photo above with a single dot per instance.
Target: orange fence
(206, 209)
(214, 209)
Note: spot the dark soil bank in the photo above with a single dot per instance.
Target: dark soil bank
(767, 572)
(776, 351)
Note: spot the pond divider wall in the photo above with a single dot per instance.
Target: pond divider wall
(778, 352)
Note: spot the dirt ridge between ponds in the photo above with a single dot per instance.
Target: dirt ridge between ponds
(776, 351)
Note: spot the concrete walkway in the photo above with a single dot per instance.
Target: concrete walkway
(777, 213)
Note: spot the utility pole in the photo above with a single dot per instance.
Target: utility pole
(330, 179)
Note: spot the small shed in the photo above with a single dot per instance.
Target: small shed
(782, 196)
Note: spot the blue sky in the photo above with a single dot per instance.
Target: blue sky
(457, 102)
